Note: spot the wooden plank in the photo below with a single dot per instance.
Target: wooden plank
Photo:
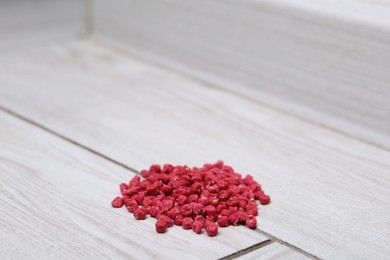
(321, 60)
(330, 192)
(56, 204)
(273, 251)
(24, 22)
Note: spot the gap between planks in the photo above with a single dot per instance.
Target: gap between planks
(271, 239)
(247, 250)
(127, 53)
(292, 247)
(21, 117)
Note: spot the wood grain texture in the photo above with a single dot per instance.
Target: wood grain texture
(330, 192)
(25, 22)
(56, 204)
(272, 252)
(325, 61)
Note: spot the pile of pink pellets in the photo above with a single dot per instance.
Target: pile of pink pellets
(207, 198)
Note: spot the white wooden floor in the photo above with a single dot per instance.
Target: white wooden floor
(74, 113)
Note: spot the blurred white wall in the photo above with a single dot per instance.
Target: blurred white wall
(27, 21)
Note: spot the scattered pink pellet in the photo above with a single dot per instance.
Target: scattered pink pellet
(161, 226)
(139, 214)
(251, 222)
(212, 229)
(264, 199)
(197, 226)
(117, 202)
(166, 219)
(223, 221)
(187, 223)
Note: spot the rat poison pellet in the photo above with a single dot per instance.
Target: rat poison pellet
(197, 226)
(161, 226)
(251, 222)
(212, 229)
(117, 202)
(187, 223)
(195, 198)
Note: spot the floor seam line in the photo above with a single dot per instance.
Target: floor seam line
(65, 138)
(290, 246)
(247, 250)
